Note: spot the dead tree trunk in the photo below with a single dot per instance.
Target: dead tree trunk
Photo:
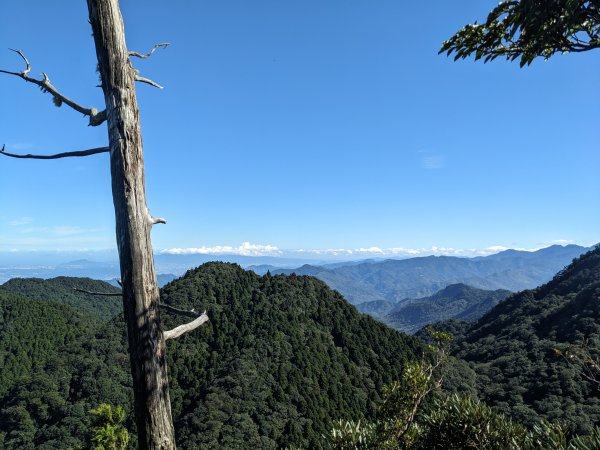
(133, 226)
(133, 221)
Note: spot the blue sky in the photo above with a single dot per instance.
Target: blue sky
(304, 125)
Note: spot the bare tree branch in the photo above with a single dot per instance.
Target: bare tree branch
(147, 55)
(181, 312)
(96, 117)
(20, 53)
(185, 328)
(148, 81)
(92, 151)
(104, 294)
(168, 308)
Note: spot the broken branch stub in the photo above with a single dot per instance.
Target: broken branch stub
(186, 327)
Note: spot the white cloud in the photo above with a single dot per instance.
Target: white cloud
(404, 251)
(27, 236)
(248, 249)
(431, 160)
(244, 249)
(58, 230)
(383, 252)
(20, 221)
(327, 251)
(65, 230)
(500, 248)
(407, 252)
(370, 250)
(495, 249)
(56, 242)
(562, 242)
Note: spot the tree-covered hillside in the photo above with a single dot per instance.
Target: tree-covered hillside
(457, 301)
(512, 349)
(279, 360)
(62, 290)
(56, 364)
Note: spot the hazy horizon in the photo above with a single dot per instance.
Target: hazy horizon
(260, 252)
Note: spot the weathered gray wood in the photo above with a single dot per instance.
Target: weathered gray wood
(186, 327)
(148, 81)
(140, 289)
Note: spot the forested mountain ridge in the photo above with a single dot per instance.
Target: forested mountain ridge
(512, 349)
(281, 357)
(279, 360)
(395, 280)
(32, 332)
(56, 364)
(457, 301)
(62, 290)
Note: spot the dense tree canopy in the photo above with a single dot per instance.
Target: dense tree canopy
(527, 29)
(284, 355)
(280, 359)
(63, 290)
(512, 349)
(416, 415)
(57, 364)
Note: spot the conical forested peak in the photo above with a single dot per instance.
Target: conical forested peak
(280, 357)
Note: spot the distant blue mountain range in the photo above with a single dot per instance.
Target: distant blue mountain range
(388, 280)
(395, 280)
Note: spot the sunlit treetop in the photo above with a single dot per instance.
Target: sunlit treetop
(527, 29)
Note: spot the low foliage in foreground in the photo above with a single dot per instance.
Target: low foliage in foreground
(416, 415)
(457, 422)
(108, 432)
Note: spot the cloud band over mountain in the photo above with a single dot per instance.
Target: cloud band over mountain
(250, 249)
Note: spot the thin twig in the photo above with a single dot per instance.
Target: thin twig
(96, 117)
(147, 55)
(92, 151)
